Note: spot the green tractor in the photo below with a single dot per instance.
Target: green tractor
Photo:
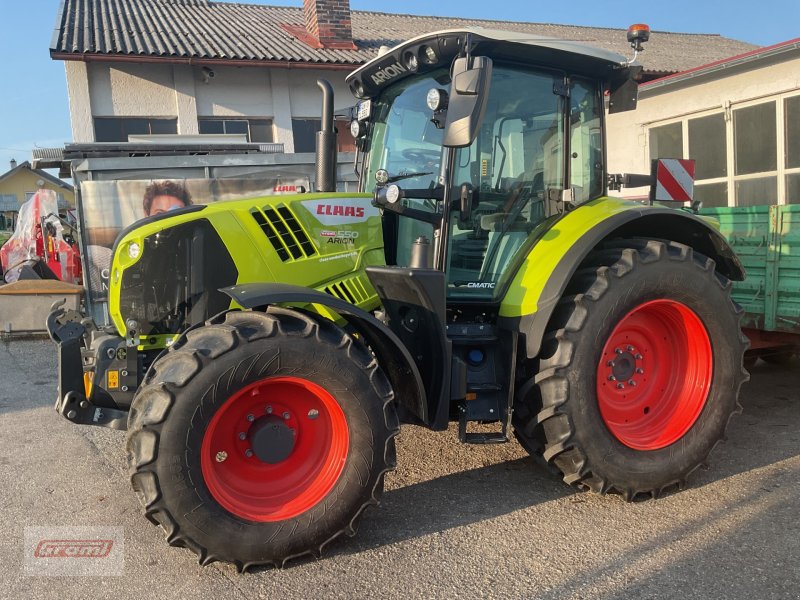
(264, 352)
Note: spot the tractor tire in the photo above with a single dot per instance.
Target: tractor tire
(639, 372)
(261, 437)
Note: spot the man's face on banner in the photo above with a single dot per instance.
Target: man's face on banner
(162, 204)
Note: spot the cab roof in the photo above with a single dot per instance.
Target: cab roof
(500, 45)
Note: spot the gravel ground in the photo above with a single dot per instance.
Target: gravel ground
(466, 521)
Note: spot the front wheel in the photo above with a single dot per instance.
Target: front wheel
(639, 372)
(260, 437)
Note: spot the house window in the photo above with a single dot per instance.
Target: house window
(756, 143)
(707, 146)
(792, 118)
(756, 154)
(258, 131)
(305, 135)
(666, 141)
(791, 110)
(746, 156)
(304, 132)
(793, 188)
(117, 129)
(712, 194)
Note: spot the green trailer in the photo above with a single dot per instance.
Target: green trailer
(767, 240)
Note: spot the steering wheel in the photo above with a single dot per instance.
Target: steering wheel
(421, 156)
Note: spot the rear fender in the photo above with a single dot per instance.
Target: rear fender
(544, 274)
(392, 355)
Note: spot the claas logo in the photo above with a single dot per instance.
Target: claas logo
(337, 210)
(333, 212)
(289, 189)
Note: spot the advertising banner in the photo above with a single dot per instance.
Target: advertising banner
(108, 207)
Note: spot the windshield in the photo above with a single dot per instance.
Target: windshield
(408, 145)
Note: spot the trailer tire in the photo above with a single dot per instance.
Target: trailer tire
(610, 405)
(261, 437)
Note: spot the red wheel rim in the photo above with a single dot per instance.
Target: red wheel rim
(654, 375)
(250, 488)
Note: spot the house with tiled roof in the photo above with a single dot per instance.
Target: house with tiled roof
(195, 67)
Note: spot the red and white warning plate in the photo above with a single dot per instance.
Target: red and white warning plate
(674, 180)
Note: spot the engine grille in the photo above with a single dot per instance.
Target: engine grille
(352, 290)
(284, 232)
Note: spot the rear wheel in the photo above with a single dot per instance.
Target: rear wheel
(639, 372)
(261, 437)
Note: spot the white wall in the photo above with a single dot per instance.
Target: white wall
(80, 105)
(105, 89)
(232, 92)
(131, 89)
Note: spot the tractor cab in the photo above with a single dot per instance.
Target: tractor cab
(482, 135)
(473, 142)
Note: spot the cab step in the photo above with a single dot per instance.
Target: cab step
(478, 437)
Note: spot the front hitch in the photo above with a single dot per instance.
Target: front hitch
(68, 330)
(76, 408)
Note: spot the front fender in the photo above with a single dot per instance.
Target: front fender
(544, 274)
(392, 355)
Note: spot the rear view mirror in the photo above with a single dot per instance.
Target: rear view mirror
(672, 180)
(623, 90)
(467, 103)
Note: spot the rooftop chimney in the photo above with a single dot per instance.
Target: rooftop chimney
(328, 21)
(13, 163)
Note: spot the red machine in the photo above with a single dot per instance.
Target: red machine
(38, 248)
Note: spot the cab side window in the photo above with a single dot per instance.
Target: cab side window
(586, 142)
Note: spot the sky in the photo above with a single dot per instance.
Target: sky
(33, 96)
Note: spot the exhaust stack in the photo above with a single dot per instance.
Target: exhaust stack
(326, 142)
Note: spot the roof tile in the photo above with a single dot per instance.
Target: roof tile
(201, 29)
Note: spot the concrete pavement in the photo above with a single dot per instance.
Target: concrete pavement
(456, 521)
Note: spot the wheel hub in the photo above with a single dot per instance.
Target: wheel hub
(623, 367)
(271, 440)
